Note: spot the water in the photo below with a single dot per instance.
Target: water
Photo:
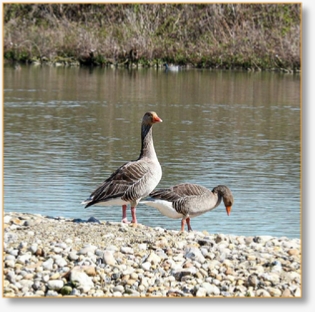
(67, 129)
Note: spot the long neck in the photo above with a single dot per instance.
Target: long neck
(218, 195)
(147, 147)
(218, 199)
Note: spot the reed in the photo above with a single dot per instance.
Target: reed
(223, 36)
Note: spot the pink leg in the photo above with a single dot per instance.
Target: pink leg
(133, 215)
(188, 224)
(124, 214)
(183, 222)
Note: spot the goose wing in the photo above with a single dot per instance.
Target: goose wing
(196, 199)
(179, 191)
(182, 196)
(126, 182)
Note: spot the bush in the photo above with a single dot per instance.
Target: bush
(265, 36)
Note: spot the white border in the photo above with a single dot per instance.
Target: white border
(234, 304)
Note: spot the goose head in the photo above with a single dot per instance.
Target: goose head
(225, 193)
(150, 118)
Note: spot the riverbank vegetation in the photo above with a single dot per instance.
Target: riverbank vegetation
(223, 36)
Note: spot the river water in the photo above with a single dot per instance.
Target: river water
(67, 129)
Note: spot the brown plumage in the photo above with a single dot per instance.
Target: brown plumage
(133, 180)
(188, 200)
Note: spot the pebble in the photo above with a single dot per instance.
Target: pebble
(55, 284)
(81, 280)
(59, 257)
(109, 258)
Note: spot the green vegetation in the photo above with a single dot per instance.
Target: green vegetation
(224, 36)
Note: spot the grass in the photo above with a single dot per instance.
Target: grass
(224, 36)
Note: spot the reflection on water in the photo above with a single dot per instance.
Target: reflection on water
(67, 129)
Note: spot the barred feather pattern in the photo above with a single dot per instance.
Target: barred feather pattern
(192, 200)
(135, 179)
(183, 196)
(130, 182)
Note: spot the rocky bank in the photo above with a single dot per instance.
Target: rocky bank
(59, 257)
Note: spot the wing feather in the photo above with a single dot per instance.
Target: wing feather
(180, 195)
(123, 183)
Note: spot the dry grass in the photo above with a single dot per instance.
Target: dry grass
(250, 36)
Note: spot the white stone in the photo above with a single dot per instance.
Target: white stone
(210, 289)
(297, 292)
(109, 258)
(23, 259)
(69, 241)
(9, 257)
(48, 264)
(274, 292)
(128, 271)
(112, 248)
(57, 250)
(201, 292)
(262, 293)
(7, 219)
(73, 255)
(51, 293)
(87, 249)
(146, 266)
(55, 284)
(142, 246)
(81, 280)
(126, 250)
(61, 262)
(118, 288)
(26, 283)
(33, 248)
(153, 258)
(272, 277)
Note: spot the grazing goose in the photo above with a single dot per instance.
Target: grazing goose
(173, 68)
(188, 200)
(133, 180)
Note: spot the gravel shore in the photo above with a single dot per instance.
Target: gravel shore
(59, 257)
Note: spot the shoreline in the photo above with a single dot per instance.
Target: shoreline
(60, 257)
(157, 65)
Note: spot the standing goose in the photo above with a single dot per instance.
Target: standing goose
(188, 200)
(133, 180)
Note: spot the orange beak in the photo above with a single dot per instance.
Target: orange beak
(228, 210)
(156, 118)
